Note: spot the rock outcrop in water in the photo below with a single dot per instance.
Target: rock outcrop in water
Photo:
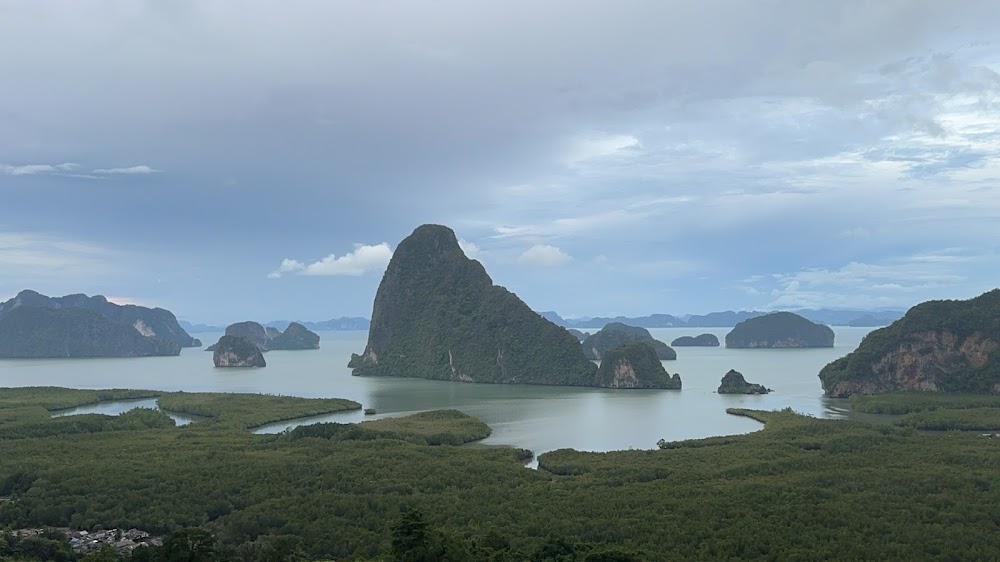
(149, 322)
(635, 365)
(438, 315)
(701, 340)
(295, 337)
(237, 351)
(734, 383)
(38, 332)
(949, 345)
(616, 334)
(779, 330)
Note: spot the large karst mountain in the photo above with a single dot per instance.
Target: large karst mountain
(438, 315)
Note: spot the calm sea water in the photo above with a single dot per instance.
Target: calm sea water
(538, 418)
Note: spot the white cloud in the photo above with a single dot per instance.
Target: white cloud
(599, 146)
(27, 258)
(472, 251)
(544, 255)
(362, 260)
(38, 169)
(143, 169)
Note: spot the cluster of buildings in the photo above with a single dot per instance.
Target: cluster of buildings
(120, 540)
(82, 542)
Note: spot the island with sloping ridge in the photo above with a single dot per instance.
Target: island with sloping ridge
(945, 345)
(701, 340)
(438, 315)
(779, 330)
(616, 334)
(294, 337)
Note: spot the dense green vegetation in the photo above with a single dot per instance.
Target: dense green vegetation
(635, 365)
(56, 398)
(955, 345)
(617, 334)
(968, 419)
(34, 332)
(905, 402)
(237, 351)
(779, 329)
(801, 489)
(296, 336)
(251, 410)
(157, 321)
(701, 340)
(734, 383)
(438, 315)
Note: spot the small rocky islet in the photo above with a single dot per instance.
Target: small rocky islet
(734, 383)
(615, 334)
(294, 337)
(701, 340)
(779, 330)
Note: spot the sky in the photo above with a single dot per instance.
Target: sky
(235, 160)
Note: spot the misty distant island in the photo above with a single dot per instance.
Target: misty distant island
(617, 334)
(779, 330)
(294, 337)
(946, 345)
(701, 340)
(33, 325)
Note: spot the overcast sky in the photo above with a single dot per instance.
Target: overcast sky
(233, 160)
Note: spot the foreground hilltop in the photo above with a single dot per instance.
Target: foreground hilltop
(947, 345)
(438, 315)
(33, 325)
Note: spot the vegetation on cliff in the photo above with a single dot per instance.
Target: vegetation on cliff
(734, 383)
(438, 315)
(152, 322)
(946, 345)
(635, 365)
(701, 340)
(887, 493)
(295, 337)
(39, 332)
(237, 351)
(779, 329)
(616, 334)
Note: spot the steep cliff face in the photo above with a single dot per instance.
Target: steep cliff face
(635, 365)
(779, 330)
(616, 334)
(951, 346)
(149, 322)
(29, 331)
(237, 351)
(438, 315)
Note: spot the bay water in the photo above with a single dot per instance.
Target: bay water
(539, 418)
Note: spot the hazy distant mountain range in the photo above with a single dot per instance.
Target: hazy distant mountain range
(726, 319)
(343, 323)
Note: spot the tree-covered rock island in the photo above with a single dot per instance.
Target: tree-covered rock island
(33, 325)
(616, 334)
(779, 330)
(701, 340)
(945, 345)
(438, 315)
(734, 383)
(237, 351)
(635, 365)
